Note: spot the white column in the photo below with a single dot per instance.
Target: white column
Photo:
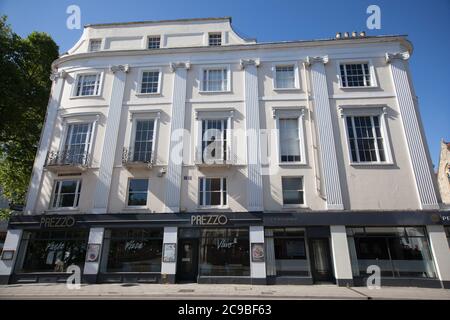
(341, 256)
(441, 253)
(169, 269)
(12, 242)
(174, 168)
(46, 136)
(413, 137)
(254, 179)
(105, 171)
(324, 127)
(91, 269)
(257, 269)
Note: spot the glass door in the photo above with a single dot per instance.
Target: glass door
(319, 249)
(187, 264)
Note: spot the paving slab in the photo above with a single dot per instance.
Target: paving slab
(208, 291)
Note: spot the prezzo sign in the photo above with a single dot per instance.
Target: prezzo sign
(57, 222)
(209, 220)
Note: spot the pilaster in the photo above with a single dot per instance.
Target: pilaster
(174, 168)
(341, 256)
(46, 136)
(413, 136)
(105, 172)
(254, 182)
(327, 147)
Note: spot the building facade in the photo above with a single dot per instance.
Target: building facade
(178, 151)
(443, 174)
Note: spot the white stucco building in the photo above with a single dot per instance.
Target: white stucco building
(179, 151)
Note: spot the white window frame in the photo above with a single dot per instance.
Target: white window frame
(52, 197)
(296, 75)
(153, 36)
(134, 117)
(90, 45)
(367, 111)
(139, 82)
(215, 33)
(216, 114)
(215, 67)
(128, 193)
(373, 78)
(290, 206)
(82, 118)
(99, 75)
(221, 206)
(291, 113)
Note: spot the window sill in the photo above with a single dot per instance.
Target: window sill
(371, 164)
(286, 89)
(67, 210)
(289, 164)
(138, 208)
(213, 92)
(213, 207)
(294, 206)
(148, 94)
(359, 87)
(85, 97)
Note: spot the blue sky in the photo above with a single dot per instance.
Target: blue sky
(427, 23)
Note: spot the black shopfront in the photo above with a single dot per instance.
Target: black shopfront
(216, 248)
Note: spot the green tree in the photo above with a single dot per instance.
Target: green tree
(25, 65)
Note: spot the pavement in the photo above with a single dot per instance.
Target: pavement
(194, 291)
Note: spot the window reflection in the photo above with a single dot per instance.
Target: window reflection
(225, 252)
(399, 252)
(132, 250)
(286, 252)
(51, 251)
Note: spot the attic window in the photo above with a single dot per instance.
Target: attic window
(95, 45)
(215, 39)
(154, 42)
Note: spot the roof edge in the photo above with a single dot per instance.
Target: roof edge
(227, 18)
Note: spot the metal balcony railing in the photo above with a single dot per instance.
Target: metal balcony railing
(131, 156)
(224, 156)
(68, 158)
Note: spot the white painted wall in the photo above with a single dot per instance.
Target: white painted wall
(362, 187)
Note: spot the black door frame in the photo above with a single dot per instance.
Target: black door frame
(180, 277)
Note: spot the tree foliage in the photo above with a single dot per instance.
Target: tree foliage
(25, 65)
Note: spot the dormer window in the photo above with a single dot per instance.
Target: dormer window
(154, 42)
(95, 45)
(215, 39)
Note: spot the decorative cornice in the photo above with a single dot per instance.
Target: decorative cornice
(121, 67)
(341, 109)
(56, 75)
(175, 65)
(248, 62)
(399, 55)
(276, 111)
(311, 60)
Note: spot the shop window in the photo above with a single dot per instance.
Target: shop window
(399, 252)
(51, 251)
(225, 252)
(286, 253)
(132, 250)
